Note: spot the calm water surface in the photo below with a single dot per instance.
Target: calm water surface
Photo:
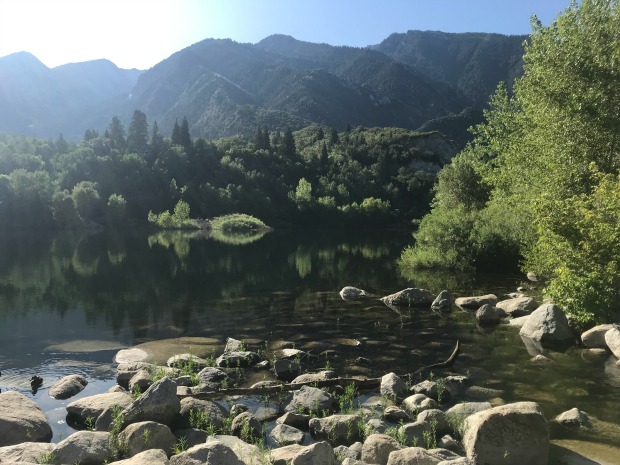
(68, 303)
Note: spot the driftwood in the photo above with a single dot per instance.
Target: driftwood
(362, 384)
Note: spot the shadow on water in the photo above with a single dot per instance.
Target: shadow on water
(68, 302)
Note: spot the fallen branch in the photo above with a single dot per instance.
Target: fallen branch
(362, 384)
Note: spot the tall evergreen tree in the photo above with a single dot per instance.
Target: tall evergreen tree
(116, 131)
(288, 148)
(137, 133)
(186, 140)
(176, 133)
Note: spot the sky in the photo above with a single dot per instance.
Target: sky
(141, 33)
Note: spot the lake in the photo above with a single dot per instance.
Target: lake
(69, 302)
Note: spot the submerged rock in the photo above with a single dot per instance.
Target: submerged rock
(67, 387)
(410, 297)
(519, 306)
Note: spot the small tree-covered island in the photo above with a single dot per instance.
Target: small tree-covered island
(290, 253)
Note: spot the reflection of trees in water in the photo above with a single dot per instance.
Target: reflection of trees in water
(164, 280)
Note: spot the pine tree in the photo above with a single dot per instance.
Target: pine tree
(186, 140)
(176, 133)
(116, 131)
(137, 133)
(288, 148)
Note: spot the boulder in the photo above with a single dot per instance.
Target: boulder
(187, 362)
(594, 338)
(29, 452)
(518, 322)
(310, 399)
(377, 448)
(286, 435)
(436, 417)
(395, 414)
(284, 455)
(413, 433)
(352, 293)
(354, 451)
(431, 389)
(67, 387)
(126, 371)
(376, 425)
(141, 381)
(148, 457)
(212, 375)
(392, 386)
(84, 447)
(210, 453)
(337, 429)
(246, 427)
(145, 435)
(248, 453)
(487, 315)
(457, 414)
(410, 297)
(234, 345)
(191, 436)
(548, 325)
(286, 369)
(443, 302)
(459, 461)
(296, 420)
(519, 306)
(312, 377)
(237, 359)
(21, 420)
(511, 434)
(475, 302)
(318, 453)
(412, 456)
(197, 413)
(131, 355)
(159, 403)
(418, 402)
(574, 418)
(612, 339)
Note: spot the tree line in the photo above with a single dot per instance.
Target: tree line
(539, 185)
(317, 176)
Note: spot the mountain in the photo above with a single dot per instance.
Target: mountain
(39, 101)
(412, 80)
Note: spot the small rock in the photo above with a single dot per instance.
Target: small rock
(67, 387)
(443, 302)
(612, 339)
(84, 447)
(148, 457)
(337, 429)
(187, 362)
(412, 455)
(286, 435)
(354, 451)
(377, 448)
(245, 426)
(352, 293)
(191, 436)
(141, 381)
(418, 402)
(286, 369)
(541, 360)
(594, 338)
(197, 413)
(319, 453)
(310, 399)
(475, 302)
(313, 377)
(237, 359)
(487, 314)
(392, 386)
(296, 420)
(142, 436)
(395, 414)
(284, 455)
(574, 418)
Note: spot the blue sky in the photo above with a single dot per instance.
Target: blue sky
(140, 33)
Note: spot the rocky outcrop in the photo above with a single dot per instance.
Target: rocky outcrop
(410, 297)
(159, 403)
(512, 434)
(352, 293)
(67, 387)
(475, 302)
(21, 420)
(548, 325)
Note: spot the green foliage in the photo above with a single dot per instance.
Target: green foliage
(540, 176)
(237, 223)
(179, 219)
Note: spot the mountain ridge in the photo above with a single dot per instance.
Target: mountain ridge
(227, 88)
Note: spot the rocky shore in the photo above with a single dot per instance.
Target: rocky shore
(194, 410)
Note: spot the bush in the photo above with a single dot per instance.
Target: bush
(178, 220)
(237, 222)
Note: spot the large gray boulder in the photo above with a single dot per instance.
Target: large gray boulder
(410, 297)
(310, 399)
(93, 406)
(413, 456)
(286, 435)
(337, 429)
(159, 403)
(29, 452)
(519, 306)
(511, 434)
(392, 386)
(418, 402)
(475, 302)
(237, 359)
(549, 326)
(211, 453)
(318, 453)
(145, 435)
(247, 453)
(352, 293)
(594, 338)
(377, 448)
(197, 413)
(67, 387)
(85, 448)
(488, 315)
(21, 420)
(284, 455)
(612, 339)
(246, 426)
(443, 302)
(148, 457)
